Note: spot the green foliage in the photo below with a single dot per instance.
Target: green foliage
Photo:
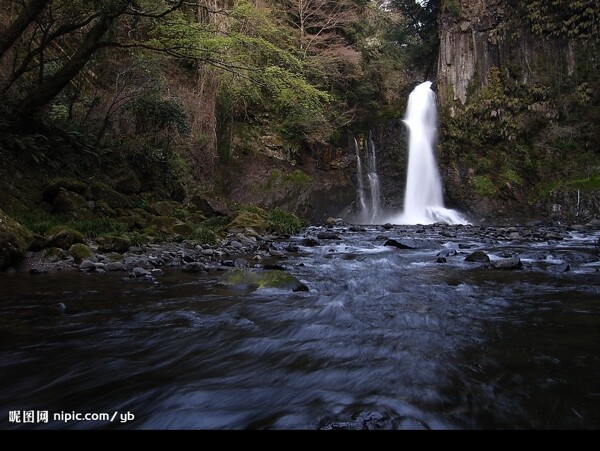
(565, 18)
(295, 179)
(137, 239)
(152, 113)
(587, 184)
(484, 186)
(43, 223)
(204, 235)
(216, 223)
(283, 222)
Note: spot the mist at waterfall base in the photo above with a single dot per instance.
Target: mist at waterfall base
(423, 198)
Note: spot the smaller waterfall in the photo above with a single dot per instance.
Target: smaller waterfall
(368, 201)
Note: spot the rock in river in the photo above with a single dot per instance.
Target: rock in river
(508, 263)
(245, 279)
(478, 257)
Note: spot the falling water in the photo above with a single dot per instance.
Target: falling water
(368, 202)
(423, 200)
(360, 187)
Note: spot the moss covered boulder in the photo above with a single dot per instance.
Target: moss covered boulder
(251, 280)
(101, 192)
(129, 184)
(63, 237)
(80, 252)
(69, 203)
(57, 185)
(112, 243)
(252, 220)
(14, 241)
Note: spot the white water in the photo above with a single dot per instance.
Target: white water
(423, 199)
(368, 203)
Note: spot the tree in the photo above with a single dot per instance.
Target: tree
(71, 32)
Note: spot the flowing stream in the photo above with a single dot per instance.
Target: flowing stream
(385, 338)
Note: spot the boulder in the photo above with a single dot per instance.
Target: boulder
(194, 267)
(129, 184)
(87, 266)
(310, 242)
(112, 243)
(63, 237)
(14, 241)
(209, 206)
(100, 192)
(57, 185)
(80, 252)
(244, 279)
(478, 257)
(397, 244)
(68, 203)
(508, 263)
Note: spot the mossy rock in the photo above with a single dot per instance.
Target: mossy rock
(57, 185)
(183, 229)
(80, 252)
(197, 218)
(102, 192)
(164, 224)
(209, 206)
(113, 243)
(68, 203)
(251, 220)
(245, 279)
(63, 237)
(14, 241)
(129, 184)
(54, 254)
(163, 208)
(102, 207)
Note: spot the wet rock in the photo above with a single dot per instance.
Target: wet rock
(356, 228)
(397, 244)
(553, 236)
(141, 272)
(508, 263)
(567, 268)
(447, 253)
(274, 267)
(325, 235)
(87, 266)
(514, 236)
(194, 267)
(310, 242)
(593, 224)
(228, 263)
(478, 257)
(301, 289)
(37, 271)
(131, 262)
(465, 246)
(245, 279)
(236, 245)
(388, 226)
(114, 266)
(208, 252)
(241, 263)
(441, 260)
(292, 248)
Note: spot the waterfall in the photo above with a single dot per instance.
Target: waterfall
(368, 202)
(360, 186)
(423, 199)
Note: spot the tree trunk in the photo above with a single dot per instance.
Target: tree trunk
(52, 86)
(16, 29)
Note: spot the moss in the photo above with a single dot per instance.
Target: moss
(484, 186)
(14, 240)
(283, 222)
(63, 237)
(243, 279)
(57, 185)
(587, 184)
(101, 192)
(183, 229)
(245, 219)
(55, 254)
(69, 203)
(202, 235)
(113, 244)
(80, 252)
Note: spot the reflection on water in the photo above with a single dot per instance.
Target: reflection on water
(386, 338)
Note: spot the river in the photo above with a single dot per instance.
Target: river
(385, 339)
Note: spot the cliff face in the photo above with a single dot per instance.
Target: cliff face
(519, 94)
